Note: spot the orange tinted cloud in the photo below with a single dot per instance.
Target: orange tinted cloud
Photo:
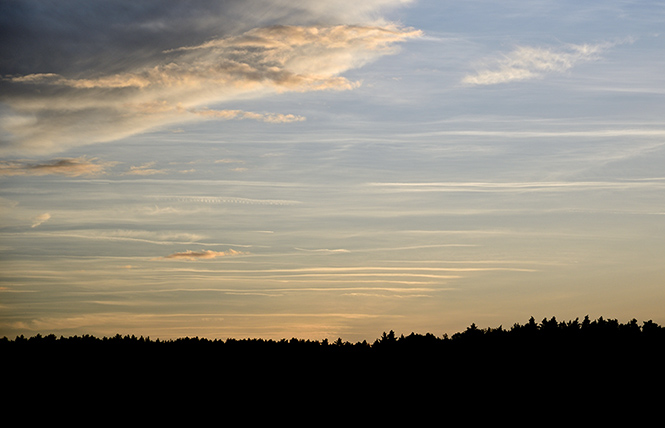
(240, 115)
(40, 219)
(203, 254)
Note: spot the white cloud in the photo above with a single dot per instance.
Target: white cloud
(526, 62)
(145, 169)
(325, 250)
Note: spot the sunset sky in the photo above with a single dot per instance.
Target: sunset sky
(324, 169)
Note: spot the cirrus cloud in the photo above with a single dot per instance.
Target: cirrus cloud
(527, 62)
(145, 169)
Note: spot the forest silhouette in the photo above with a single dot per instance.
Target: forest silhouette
(530, 363)
(600, 334)
(571, 344)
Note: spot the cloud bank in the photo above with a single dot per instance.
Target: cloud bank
(526, 62)
(152, 69)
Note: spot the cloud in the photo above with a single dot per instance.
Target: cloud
(173, 73)
(526, 62)
(229, 161)
(40, 219)
(240, 115)
(225, 200)
(325, 250)
(143, 236)
(69, 167)
(520, 187)
(145, 169)
(203, 255)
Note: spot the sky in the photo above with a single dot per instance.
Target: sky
(276, 169)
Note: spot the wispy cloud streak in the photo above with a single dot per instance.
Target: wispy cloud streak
(224, 200)
(137, 236)
(516, 186)
(527, 62)
(202, 255)
(242, 115)
(145, 169)
(398, 270)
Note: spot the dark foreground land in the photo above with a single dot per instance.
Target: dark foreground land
(549, 373)
(543, 346)
(550, 364)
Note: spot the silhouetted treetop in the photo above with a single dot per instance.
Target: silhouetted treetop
(547, 331)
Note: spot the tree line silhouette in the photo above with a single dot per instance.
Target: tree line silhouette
(556, 337)
(550, 357)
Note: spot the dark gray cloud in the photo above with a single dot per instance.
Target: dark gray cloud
(68, 36)
(72, 35)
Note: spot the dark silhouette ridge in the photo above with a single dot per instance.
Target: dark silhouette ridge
(547, 365)
(573, 343)
(561, 333)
